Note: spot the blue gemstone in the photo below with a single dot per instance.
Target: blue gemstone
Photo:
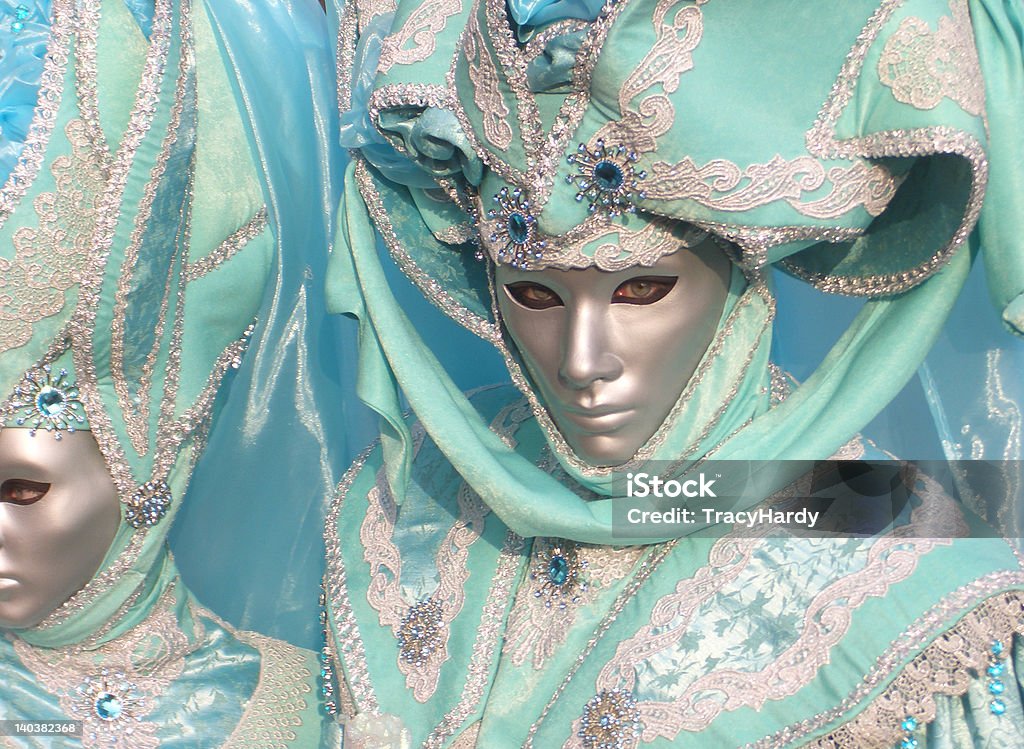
(608, 176)
(17, 26)
(606, 721)
(996, 687)
(558, 570)
(908, 743)
(50, 401)
(909, 724)
(997, 647)
(22, 12)
(108, 707)
(995, 670)
(518, 228)
(998, 707)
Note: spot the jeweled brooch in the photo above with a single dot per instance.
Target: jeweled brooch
(109, 704)
(558, 574)
(45, 401)
(148, 505)
(606, 178)
(420, 632)
(611, 720)
(516, 232)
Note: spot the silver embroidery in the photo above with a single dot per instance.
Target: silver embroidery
(430, 287)
(229, 247)
(486, 90)
(822, 142)
(923, 67)
(421, 28)
(49, 260)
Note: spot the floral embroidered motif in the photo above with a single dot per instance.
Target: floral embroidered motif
(112, 688)
(923, 67)
(946, 667)
(863, 185)
(486, 91)
(421, 28)
(50, 259)
(546, 605)
(597, 242)
(281, 696)
(745, 676)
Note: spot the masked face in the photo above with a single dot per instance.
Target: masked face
(59, 512)
(612, 352)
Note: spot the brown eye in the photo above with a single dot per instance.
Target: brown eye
(646, 290)
(22, 491)
(533, 295)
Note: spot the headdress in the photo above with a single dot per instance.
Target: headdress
(608, 135)
(114, 280)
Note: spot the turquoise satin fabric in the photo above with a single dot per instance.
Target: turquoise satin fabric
(292, 422)
(21, 65)
(540, 12)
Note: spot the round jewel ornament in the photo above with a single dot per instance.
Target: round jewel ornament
(49, 401)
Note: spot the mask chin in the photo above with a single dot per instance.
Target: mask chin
(59, 513)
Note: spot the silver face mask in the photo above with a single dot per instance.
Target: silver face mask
(612, 352)
(59, 512)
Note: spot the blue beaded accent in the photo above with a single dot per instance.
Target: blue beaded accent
(909, 725)
(606, 178)
(515, 232)
(996, 686)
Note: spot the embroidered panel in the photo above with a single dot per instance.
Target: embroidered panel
(275, 710)
(923, 67)
(52, 258)
(420, 605)
(421, 28)
(543, 614)
(112, 688)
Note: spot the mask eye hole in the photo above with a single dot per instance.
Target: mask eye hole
(644, 290)
(533, 295)
(22, 491)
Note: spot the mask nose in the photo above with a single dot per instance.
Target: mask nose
(587, 352)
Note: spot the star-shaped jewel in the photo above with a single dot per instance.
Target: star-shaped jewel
(606, 178)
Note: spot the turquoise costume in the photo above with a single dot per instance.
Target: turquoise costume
(488, 601)
(142, 220)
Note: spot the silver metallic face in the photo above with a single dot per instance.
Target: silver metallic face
(612, 352)
(59, 512)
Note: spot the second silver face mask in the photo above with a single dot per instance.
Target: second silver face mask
(611, 352)
(59, 512)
